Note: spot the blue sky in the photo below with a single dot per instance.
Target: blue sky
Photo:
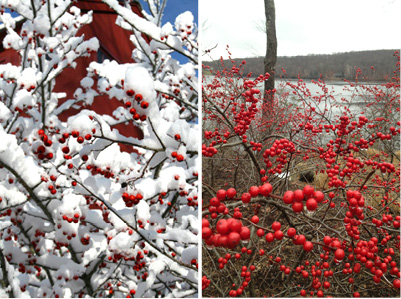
(175, 7)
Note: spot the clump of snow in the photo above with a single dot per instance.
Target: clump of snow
(184, 22)
(167, 29)
(113, 158)
(41, 24)
(142, 211)
(70, 205)
(189, 253)
(28, 78)
(138, 79)
(13, 156)
(111, 70)
(171, 112)
(5, 113)
(23, 98)
(87, 82)
(81, 123)
(122, 243)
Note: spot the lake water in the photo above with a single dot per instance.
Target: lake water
(356, 98)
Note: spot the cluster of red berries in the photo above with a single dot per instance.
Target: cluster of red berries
(175, 155)
(308, 194)
(192, 201)
(280, 149)
(205, 282)
(245, 115)
(131, 199)
(74, 219)
(131, 294)
(41, 151)
(140, 101)
(255, 191)
(256, 146)
(80, 139)
(216, 134)
(51, 187)
(365, 252)
(76, 134)
(208, 151)
(229, 233)
(246, 275)
(107, 173)
(354, 215)
(85, 240)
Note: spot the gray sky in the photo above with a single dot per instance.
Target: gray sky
(303, 26)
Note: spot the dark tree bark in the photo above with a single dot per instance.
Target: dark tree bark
(271, 46)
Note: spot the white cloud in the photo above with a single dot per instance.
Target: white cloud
(303, 27)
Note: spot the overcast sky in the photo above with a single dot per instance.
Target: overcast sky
(303, 26)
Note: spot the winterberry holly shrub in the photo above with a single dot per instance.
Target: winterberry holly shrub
(78, 217)
(300, 189)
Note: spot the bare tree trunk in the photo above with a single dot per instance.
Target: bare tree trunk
(271, 47)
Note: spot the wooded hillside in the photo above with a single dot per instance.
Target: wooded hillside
(330, 66)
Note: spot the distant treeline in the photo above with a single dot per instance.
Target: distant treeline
(336, 66)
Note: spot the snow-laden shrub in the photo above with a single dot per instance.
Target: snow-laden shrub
(78, 217)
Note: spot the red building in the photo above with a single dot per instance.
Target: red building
(114, 45)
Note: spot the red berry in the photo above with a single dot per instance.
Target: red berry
(269, 237)
(246, 198)
(205, 222)
(231, 192)
(308, 246)
(396, 283)
(130, 92)
(41, 149)
(278, 235)
(144, 104)
(65, 149)
(265, 189)
(276, 226)
(233, 239)
(260, 232)
(221, 194)
(299, 240)
(311, 204)
(319, 196)
(138, 97)
(298, 195)
(291, 232)
(234, 224)
(308, 190)
(255, 219)
(288, 197)
(297, 207)
(339, 254)
(222, 227)
(245, 233)
(206, 233)
(214, 202)
(254, 191)
(327, 240)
